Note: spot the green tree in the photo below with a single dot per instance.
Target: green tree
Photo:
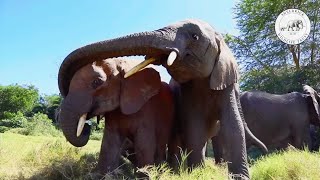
(16, 98)
(48, 104)
(261, 53)
(52, 104)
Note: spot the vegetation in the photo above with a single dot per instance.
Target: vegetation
(41, 157)
(267, 63)
(16, 98)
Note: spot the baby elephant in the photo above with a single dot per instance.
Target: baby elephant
(139, 108)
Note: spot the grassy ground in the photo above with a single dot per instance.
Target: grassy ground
(40, 157)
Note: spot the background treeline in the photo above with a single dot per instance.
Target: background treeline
(267, 63)
(23, 110)
(22, 107)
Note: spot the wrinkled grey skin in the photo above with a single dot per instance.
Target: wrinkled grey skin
(206, 72)
(279, 120)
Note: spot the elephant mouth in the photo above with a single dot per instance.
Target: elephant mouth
(83, 123)
(164, 58)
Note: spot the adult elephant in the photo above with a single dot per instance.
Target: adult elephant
(197, 57)
(279, 120)
(140, 108)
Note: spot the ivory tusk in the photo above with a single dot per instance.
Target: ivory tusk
(171, 58)
(81, 123)
(139, 66)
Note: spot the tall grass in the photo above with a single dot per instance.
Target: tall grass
(40, 157)
(290, 164)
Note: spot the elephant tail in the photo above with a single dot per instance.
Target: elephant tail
(248, 133)
(254, 139)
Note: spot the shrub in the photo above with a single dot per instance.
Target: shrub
(40, 124)
(13, 120)
(96, 135)
(3, 129)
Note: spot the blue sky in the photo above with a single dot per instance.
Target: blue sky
(37, 35)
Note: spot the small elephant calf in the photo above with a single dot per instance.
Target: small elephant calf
(140, 108)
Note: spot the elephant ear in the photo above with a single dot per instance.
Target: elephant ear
(315, 98)
(225, 70)
(137, 89)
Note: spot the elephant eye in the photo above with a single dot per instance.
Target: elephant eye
(96, 83)
(195, 36)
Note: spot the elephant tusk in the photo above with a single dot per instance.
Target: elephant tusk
(171, 58)
(81, 123)
(139, 66)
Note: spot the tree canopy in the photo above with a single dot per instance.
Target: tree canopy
(16, 98)
(268, 63)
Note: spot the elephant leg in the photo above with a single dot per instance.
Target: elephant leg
(233, 135)
(174, 156)
(145, 148)
(301, 137)
(217, 149)
(195, 140)
(110, 153)
(160, 155)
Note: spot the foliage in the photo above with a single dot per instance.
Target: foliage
(48, 105)
(263, 57)
(282, 80)
(258, 46)
(13, 120)
(14, 98)
(40, 124)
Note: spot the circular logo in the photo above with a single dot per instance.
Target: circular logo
(292, 26)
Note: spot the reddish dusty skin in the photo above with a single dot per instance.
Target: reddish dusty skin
(149, 129)
(139, 108)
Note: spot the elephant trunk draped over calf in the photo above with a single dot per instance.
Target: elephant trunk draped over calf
(197, 57)
(139, 108)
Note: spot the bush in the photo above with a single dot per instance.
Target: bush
(3, 129)
(40, 124)
(96, 135)
(13, 120)
(280, 80)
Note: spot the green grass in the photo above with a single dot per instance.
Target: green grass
(290, 164)
(41, 157)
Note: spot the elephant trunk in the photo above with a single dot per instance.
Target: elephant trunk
(72, 108)
(146, 43)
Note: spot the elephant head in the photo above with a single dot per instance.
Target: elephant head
(98, 88)
(197, 51)
(189, 49)
(313, 99)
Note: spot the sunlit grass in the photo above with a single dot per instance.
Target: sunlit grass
(290, 164)
(40, 157)
(25, 156)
